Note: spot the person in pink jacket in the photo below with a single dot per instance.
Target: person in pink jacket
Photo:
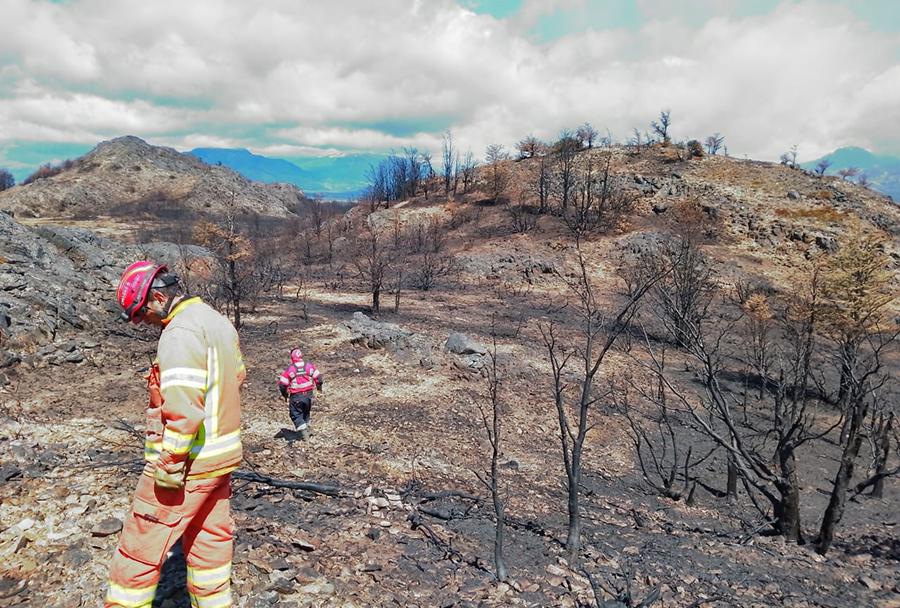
(296, 384)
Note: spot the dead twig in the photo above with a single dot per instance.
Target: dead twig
(124, 425)
(450, 553)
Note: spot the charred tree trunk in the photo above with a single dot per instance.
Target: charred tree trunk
(732, 480)
(499, 512)
(573, 538)
(838, 501)
(235, 293)
(882, 452)
(787, 511)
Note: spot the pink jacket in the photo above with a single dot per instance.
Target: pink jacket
(300, 378)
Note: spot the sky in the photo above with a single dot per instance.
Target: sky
(292, 79)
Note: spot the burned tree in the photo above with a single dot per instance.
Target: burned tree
(714, 143)
(597, 334)
(7, 180)
(789, 158)
(233, 252)
(530, 146)
(586, 134)
(661, 128)
(372, 263)
(822, 166)
(858, 291)
(491, 412)
(598, 202)
(685, 294)
(467, 167)
(848, 172)
(763, 447)
(658, 435)
(427, 172)
(542, 183)
(521, 217)
(450, 158)
(565, 152)
(497, 175)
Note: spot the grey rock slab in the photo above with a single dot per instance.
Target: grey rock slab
(461, 344)
(107, 527)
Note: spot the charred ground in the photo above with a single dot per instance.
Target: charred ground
(398, 434)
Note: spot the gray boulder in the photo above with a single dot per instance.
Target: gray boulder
(460, 344)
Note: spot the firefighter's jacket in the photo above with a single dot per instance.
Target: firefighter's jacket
(198, 417)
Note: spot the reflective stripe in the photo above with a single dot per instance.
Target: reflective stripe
(213, 391)
(214, 473)
(181, 306)
(152, 450)
(190, 377)
(217, 600)
(217, 446)
(176, 443)
(136, 270)
(130, 597)
(211, 577)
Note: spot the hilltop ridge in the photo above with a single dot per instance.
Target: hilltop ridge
(128, 176)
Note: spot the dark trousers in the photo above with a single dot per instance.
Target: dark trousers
(300, 405)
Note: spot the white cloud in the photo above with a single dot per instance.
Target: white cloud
(285, 75)
(72, 117)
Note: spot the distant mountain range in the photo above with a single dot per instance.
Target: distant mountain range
(334, 177)
(882, 171)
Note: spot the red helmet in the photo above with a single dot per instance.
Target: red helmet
(296, 356)
(134, 286)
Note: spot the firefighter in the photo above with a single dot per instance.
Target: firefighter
(192, 444)
(296, 384)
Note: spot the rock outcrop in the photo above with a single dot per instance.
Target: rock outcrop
(405, 345)
(57, 289)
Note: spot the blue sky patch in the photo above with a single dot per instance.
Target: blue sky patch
(22, 158)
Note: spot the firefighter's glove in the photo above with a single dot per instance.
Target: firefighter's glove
(170, 479)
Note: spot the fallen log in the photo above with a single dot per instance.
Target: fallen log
(308, 486)
(429, 496)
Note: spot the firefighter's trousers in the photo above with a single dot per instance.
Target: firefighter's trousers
(199, 515)
(300, 406)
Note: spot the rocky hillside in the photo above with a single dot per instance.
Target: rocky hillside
(57, 292)
(126, 176)
(764, 211)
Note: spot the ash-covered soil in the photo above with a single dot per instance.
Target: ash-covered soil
(410, 525)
